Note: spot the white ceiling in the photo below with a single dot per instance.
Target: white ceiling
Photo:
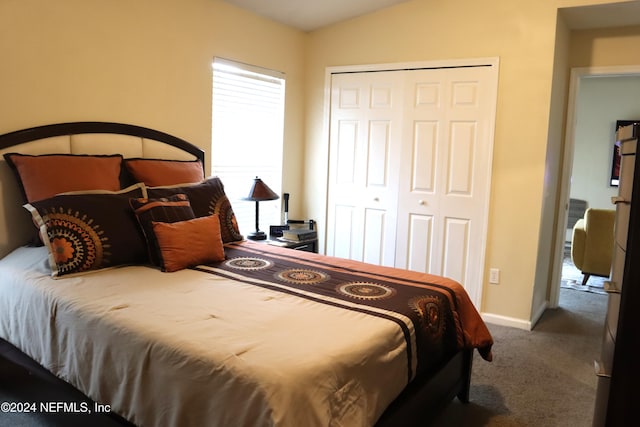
(308, 15)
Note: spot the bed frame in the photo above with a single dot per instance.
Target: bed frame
(419, 404)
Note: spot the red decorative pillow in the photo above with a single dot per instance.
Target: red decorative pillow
(206, 198)
(41, 177)
(189, 243)
(156, 172)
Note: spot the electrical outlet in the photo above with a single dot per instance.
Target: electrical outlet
(494, 275)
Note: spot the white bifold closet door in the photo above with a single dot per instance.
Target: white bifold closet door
(366, 127)
(410, 169)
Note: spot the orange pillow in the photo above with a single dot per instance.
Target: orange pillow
(42, 177)
(156, 172)
(189, 243)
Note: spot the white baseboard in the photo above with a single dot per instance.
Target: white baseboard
(513, 322)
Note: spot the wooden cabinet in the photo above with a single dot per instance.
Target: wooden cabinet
(617, 369)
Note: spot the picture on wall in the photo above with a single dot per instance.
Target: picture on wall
(615, 158)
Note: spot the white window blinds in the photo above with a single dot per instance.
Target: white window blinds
(247, 137)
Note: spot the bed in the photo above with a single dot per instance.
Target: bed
(123, 273)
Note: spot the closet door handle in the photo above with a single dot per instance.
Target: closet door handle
(376, 199)
(422, 202)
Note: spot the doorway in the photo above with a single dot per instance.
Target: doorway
(596, 82)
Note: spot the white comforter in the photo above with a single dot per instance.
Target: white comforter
(193, 349)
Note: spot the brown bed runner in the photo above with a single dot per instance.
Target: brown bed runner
(435, 308)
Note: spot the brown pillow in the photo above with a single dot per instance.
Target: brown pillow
(90, 231)
(189, 243)
(41, 177)
(206, 198)
(156, 172)
(167, 209)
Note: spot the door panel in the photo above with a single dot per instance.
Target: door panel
(461, 157)
(456, 248)
(379, 144)
(365, 130)
(420, 242)
(464, 94)
(374, 227)
(448, 145)
(427, 95)
(423, 164)
(346, 152)
(342, 246)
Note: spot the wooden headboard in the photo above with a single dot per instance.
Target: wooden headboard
(75, 138)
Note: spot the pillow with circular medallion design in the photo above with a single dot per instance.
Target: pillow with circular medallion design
(89, 231)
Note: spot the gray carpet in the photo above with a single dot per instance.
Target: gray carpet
(543, 377)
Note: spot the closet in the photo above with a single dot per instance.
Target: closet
(410, 155)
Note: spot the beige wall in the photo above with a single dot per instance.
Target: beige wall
(145, 62)
(528, 138)
(605, 47)
(549, 247)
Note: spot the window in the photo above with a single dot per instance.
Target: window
(247, 137)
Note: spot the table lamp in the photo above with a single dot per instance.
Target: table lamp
(259, 192)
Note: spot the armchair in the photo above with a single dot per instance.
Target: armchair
(592, 243)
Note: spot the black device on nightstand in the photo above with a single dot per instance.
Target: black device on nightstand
(294, 234)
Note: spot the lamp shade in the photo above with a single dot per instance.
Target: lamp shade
(260, 191)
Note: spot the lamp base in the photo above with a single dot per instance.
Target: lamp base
(257, 235)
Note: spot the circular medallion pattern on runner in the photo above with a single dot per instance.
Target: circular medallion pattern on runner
(301, 276)
(248, 263)
(429, 309)
(365, 290)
